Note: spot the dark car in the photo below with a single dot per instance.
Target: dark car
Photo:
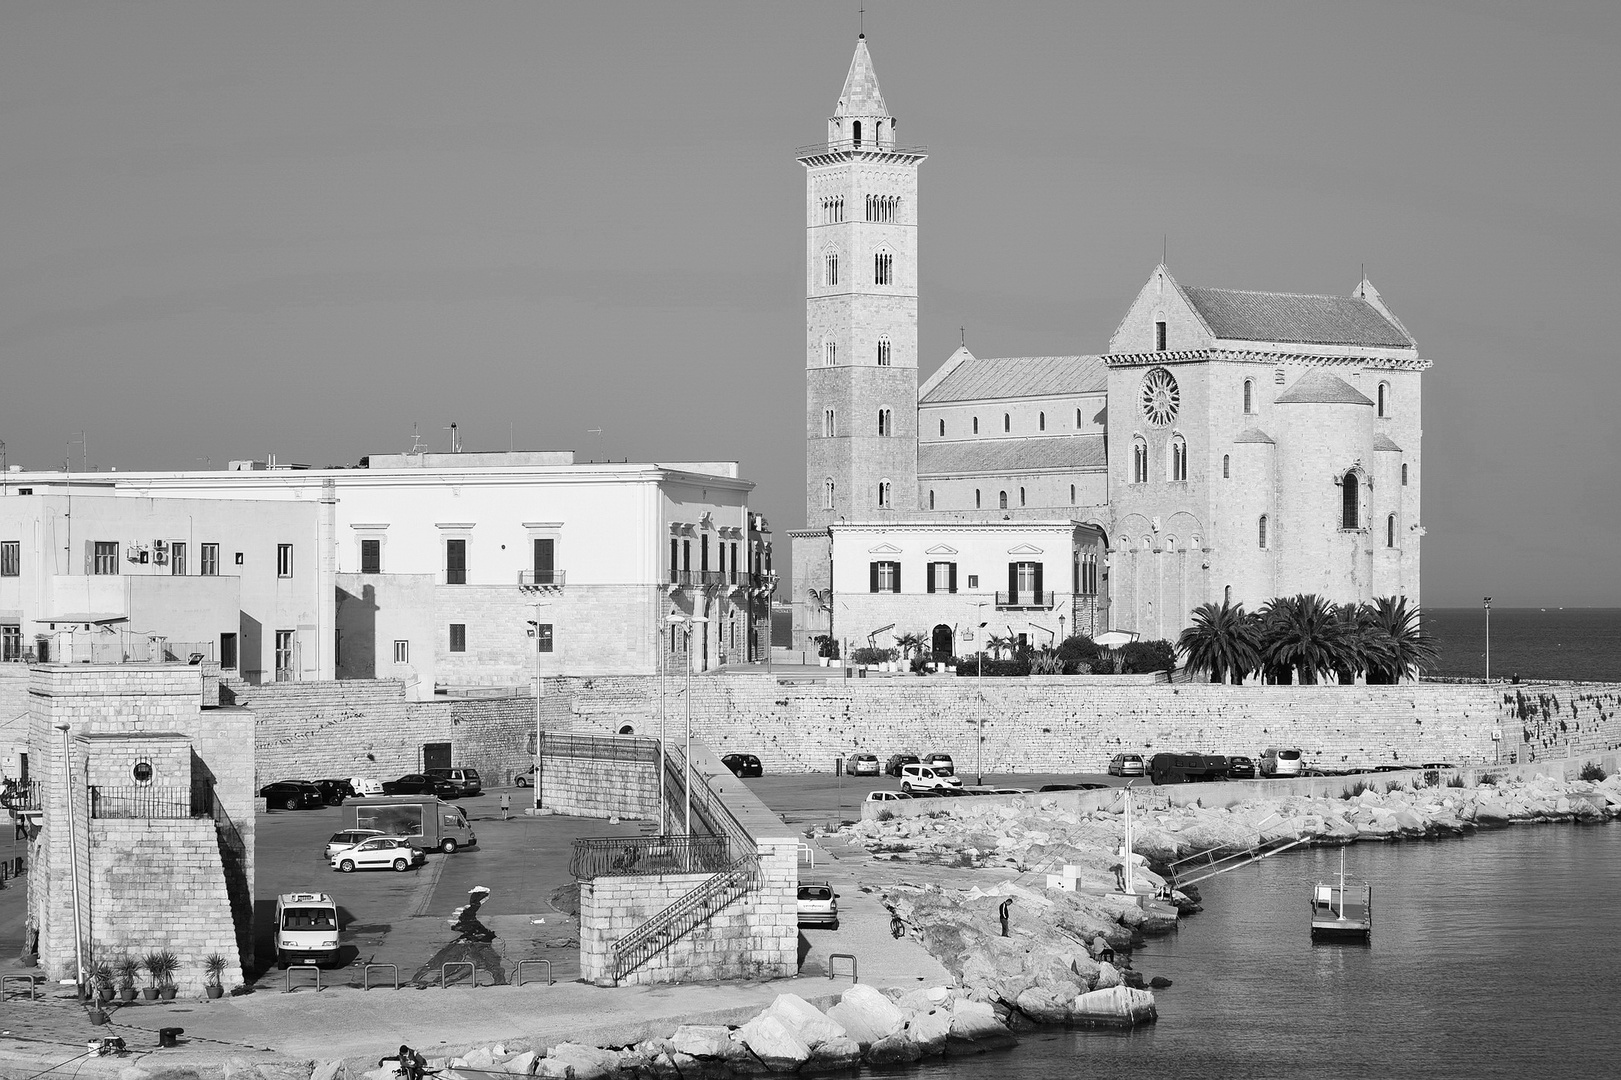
(334, 791)
(1240, 768)
(465, 781)
(1186, 768)
(743, 764)
(292, 795)
(940, 762)
(897, 761)
(420, 784)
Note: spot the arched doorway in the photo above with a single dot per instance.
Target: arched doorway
(941, 640)
(626, 729)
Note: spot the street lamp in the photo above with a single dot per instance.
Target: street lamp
(979, 678)
(677, 619)
(535, 622)
(1488, 641)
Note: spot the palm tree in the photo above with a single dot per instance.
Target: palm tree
(1302, 633)
(996, 644)
(1223, 641)
(1362, 647)
(1404, 647)
(910, 643)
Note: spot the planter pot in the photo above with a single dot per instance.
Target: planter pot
(127, 994)
(166, 993)
(149, 993)
(96, 1015)
(823, 660)
(105, 996)
(216, 991)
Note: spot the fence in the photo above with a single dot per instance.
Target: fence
(151, 802)
(636, 856)
(599, 747)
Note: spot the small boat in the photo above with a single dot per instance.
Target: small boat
(1342, 911)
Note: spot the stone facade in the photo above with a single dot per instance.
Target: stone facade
(578, 782)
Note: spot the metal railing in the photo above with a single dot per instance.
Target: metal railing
(540, 579)
(22, 795)
(150, 802)
(840, 146)
(697, 579)
(689, 911)
(1039, 601)
(599, 747)
(637, 856)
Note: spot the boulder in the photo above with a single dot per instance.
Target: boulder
(554, 1069)
(925, 998)
(521, 1065)
(1042, 1005)
(770, 1040)
(1159, 982)
(324, 1070)
(480, 1059)
(1491, 812)
(812, 1026)
(895, 1049)
(867, 1016)
(839, 1052)
(930, 1030)
(584, 1062)
(1108, 976)
(974, 1027)
(701, 1040)
(1118, 1006)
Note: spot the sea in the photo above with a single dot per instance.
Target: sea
(1493, 955)
(1580, 644)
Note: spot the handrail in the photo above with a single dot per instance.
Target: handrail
(638, 856)
(1233, 860)
(689, 911)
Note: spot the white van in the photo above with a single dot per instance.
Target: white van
(1281, 761)
(306, 929)
(927, 778)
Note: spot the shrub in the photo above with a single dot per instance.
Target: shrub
(1455, 780)
(1046, 662)
(1076, 650)
(872, 655)
(826, 646)
(886, 815)
(1145, 657)
(1593, 773)
(994, 669)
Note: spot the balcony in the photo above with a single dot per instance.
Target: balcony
(1026, 601)
(698, 579)
(135, 803)
(540, 579)
(22, 796)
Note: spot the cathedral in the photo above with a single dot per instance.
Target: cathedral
(1229, 445)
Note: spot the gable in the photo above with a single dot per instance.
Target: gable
(1161, 300)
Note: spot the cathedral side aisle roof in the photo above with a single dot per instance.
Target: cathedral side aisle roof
(1254, 435)
(978, 379)
(1385, 442)
(1009, 455)
(1321, 388)
(861, 96)
(1316, 320)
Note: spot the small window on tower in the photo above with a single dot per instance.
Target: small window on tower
(976, 425)
(1225, 460)
(1041, 421)
(1007, 422)
(881, 266)
(942, 429)
(832, 270)
(883, 352)
(1159, 336)
(931, 498)
(976, 498)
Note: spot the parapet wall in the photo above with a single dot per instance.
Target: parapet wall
(1058, 724)
(599, 777)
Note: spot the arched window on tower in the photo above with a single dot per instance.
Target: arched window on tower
(942, 428)
(831, 269)
(883, 422)
(1249, 395)
(1226, 461)
(976, 425)
(830, 353)
(1350, 502)
(883, 494)
(827, 494)
(1001, 500)
(1041, 421)
(1404, 474)
(1007, 422)
(1179, 458)
(827, 424)
(855, 132)
(1077, 419)
(882, 263)
(1390, 531)
(883, 352)
(931, 498)
(1261, 532)
(1021, 496)
(1139, 460)
(1072, 494)
(1384, 399)
(976, 498)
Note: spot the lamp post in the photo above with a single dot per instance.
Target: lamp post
(536, 624)
(676, 618)
(979, 678)
(1488, 640)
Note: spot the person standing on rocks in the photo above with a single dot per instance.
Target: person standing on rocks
(1002, 911)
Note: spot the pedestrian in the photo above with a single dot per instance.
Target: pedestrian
(1002, 911)
(506, 805)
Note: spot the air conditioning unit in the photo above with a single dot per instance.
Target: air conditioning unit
(160, 545)
(135, 553)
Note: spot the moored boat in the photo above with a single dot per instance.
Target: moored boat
(1342, 910)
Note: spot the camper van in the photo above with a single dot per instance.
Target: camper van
(430, 824)
(306, 929)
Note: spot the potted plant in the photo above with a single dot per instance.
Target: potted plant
(129, 969)
(101, 981)
(153, 963)
(168, 964)
(214, 967)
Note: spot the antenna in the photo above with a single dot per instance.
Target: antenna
(1165, 250)
(416, 441)
(455, 438)
(962, 336)
(862, 13)
(598, 433)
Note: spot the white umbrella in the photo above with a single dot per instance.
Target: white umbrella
(1115, 638)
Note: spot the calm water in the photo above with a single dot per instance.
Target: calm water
(1492, 956)
(1538, 643)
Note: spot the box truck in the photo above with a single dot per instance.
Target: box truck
(306, 929)
(429, 823)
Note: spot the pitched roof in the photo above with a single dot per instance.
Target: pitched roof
(1254, 435)
(1010, 455)
(1385, 442)
(1320, 388)
(861, 96)
(1314, 320)
(977, 378)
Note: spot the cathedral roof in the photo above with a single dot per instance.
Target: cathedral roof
(1320, 388)
(1010, 455)
(1315, 320)
(1384, 442)
(977, 379)
(861, 96)
(1254, 435)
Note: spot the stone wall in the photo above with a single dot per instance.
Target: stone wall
(1065, 724)
(599, 777)
(754, 937)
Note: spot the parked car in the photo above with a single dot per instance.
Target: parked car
(364, 786)
(1240, 768)
(348, 838)
(379, 853)
(743, 764)
(927, 778)
(940, 763)
(421, 784)
(1186, 768)
(1126, 765)
(465, 781)
(335, 791)
(525, 778)
(899, 761)
(862, 765)
(306, 929)
(886, 796)
(1072, 787)
(1280, 761)
(292, 795)
(818, 905)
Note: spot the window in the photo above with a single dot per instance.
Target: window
(1226, 461)
(455, 562)
(1404, 475)
(177, 558)
(973, 581)
(1041, 421)
(228, 652)
(458, 637)
(883, 495)
(832, 210)
(1249, 395)
(543, 637)
(931, 498)
(686, 556)
(1350, 509)
(10, 558)
(883, 207)
(885, 427)
(1001, 500)
(942, 429)
(1179, 458)
(105, 554)
(943, 577)
(855, 133)
(402, 651)
(1384, 390)
(827, 423)
(881, 264)
(976, 425)
(827, 494)
(1077, 419)
(1072, 494)
(830, 268)
(1159, 336)
(976, 498)
(830, 353)
(1021, 496)
(284, 560)
(545, 560)
(11, 643)
(208, 560)
(884, 576)
(883, 352)
(1390, 531)
(1139, 461)
(1262, 532)
(703, 552)
(1024, 582)
(734, 562)
(1007, 422)
(284, 655)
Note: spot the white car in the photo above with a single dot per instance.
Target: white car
(348, 838)
(379, 853)
(886, 796)
(365, 787)
(927, 778)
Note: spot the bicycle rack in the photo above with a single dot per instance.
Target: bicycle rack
(365, 975)
(287, 986)
(842, 956)
(472, 972)
(28, 980)
(517, 972)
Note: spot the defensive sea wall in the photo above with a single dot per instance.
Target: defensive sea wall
(1064, 723)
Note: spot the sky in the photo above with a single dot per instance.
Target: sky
(310, 230)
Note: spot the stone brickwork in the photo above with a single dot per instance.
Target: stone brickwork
(575, 781)
(754, 937)
(1063, 724)
(1560, 720)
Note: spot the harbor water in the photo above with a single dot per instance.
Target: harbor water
(1494, 955)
